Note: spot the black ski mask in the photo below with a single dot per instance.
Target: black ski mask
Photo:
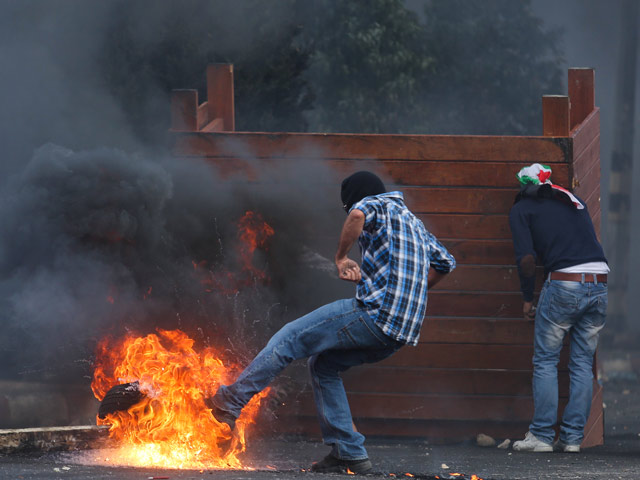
(358, 186)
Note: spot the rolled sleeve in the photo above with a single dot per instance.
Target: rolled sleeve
(439, 257)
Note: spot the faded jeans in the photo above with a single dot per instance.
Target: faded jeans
(335, 337)
(577, 308)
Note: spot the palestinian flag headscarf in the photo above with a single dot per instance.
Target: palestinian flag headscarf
(538, 174)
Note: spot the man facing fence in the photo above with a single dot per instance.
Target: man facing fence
(551, 225)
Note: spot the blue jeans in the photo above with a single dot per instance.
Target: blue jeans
(579, 309)
(335, 337)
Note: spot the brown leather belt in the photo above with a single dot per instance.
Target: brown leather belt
(577, 277)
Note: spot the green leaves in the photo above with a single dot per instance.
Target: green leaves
(367, 62)
(454, 66)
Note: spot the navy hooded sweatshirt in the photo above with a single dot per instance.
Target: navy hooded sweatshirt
(555, 232)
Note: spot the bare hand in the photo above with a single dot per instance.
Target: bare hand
(529, 311)
(348, 270)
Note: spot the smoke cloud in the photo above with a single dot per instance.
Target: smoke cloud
(104, 234)
(102, 242)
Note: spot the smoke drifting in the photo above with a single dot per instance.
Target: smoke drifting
(101, 243)
(104, 234)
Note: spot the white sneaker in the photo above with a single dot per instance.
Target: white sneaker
(565, 447)
(532, 444)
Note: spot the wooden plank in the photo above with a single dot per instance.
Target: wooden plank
(215, 125)
(203, 115)
(594, 429)
(372, 146)
(414, 381)
(501, 357)
(583, 164)
(376, 379)
(583, 134)
(470, 278)
(435, 431)
(433, 407)
(184, 110)
(555, 115)
(470, 226)
(439, 173)
(481, 252)
(398, 173)
(475, 304)
(395, 173)
(594, 432)
(593, 200)
(298, 416)
(459, 200)
(590, 182)
(581, 86)
(220, 94)
(49, 439)
(441, 431)
(476, 331)
(493, 331)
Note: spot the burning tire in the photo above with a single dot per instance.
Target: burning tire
(120, 398)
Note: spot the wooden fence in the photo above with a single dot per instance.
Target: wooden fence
(471, 372)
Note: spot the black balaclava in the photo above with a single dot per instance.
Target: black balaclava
(359, 185)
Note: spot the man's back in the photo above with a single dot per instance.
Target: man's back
(552, 224)
(397, 252)
(560, 234)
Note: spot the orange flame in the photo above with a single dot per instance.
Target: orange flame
(253, 233)
(171, 427)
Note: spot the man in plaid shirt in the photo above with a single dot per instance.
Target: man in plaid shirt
(400, 261)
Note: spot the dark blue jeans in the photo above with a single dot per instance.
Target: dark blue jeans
(579, 309)
(335, 337)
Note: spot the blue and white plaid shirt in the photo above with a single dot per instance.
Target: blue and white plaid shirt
(397, 251)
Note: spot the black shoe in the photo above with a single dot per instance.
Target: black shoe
(220, 415)
(331, 464)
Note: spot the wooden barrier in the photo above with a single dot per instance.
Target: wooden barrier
(471, 372)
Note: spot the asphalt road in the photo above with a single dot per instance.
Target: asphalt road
(289, 458)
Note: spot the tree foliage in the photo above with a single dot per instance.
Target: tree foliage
(368, 62)
(493, 61)
(145, 58)
(454, 66)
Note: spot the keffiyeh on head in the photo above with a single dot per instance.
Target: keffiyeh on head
(538, 174)
(535, 174)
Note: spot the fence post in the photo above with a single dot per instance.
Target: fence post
(581, 94)
(184, 110)
(555, 115)
(220, 95)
